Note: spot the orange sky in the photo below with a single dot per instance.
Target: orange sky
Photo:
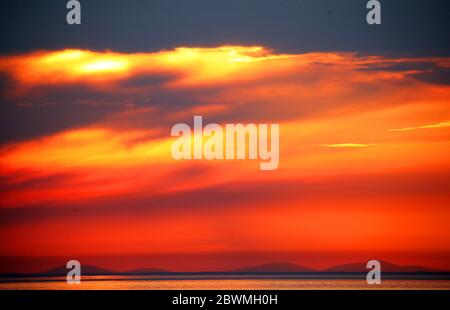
(364, 165)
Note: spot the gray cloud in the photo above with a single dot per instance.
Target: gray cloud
(408, 26)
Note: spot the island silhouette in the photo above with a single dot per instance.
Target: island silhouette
(357, 270)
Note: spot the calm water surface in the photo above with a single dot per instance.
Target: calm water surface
(176, 283)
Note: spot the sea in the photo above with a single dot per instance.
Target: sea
(203, 282)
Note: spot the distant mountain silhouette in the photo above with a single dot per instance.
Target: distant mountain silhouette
(274, 267)
(144, 271)
(88, 270)
(85, 270)
(385, 267)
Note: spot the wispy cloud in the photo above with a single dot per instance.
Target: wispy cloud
(347, 145)
(428, 126)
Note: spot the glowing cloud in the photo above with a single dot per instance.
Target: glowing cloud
(347, 145)
(113, 177)
(429, 126)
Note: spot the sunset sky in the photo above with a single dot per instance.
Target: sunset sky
(85, 165)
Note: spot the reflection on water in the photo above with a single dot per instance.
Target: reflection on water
(189, 283)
